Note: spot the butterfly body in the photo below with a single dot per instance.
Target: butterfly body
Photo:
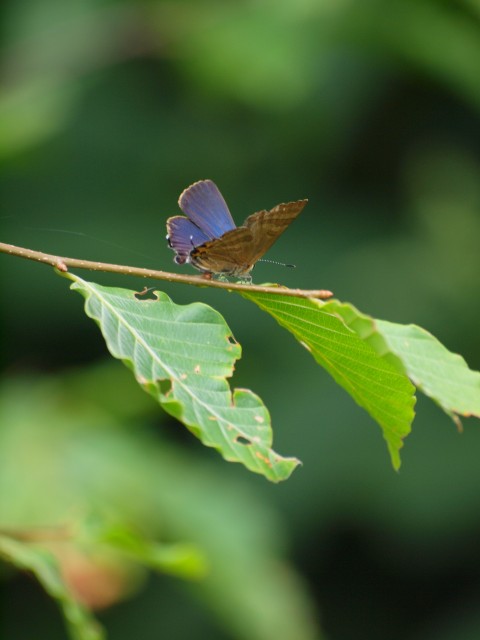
(209, 240)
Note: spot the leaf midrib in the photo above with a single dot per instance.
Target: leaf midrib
(195, 398)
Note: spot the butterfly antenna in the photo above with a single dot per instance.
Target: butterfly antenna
(280, 264)
(90, 237)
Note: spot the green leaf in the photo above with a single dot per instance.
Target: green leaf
(442, 375)
(182, 355)
(347, 344)
(373, 359)
(42, 563)
(179, 559)
(86, 463)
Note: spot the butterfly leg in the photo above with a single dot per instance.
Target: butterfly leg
(245, 279)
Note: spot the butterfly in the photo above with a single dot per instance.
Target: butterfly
(208, 239)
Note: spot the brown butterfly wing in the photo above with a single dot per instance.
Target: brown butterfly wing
(229, 254)
(238, 250)
(267, 226)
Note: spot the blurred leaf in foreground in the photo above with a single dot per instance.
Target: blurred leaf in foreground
(46, 568)
(134, 502)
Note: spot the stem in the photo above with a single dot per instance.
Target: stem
(63, 264)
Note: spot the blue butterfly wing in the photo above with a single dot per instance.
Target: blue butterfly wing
(183, 236)
(203, 203)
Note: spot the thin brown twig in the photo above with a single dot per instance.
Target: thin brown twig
(63, 264)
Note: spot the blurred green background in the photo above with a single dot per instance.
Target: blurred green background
(108, 110)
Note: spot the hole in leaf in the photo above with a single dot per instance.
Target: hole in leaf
(243, 440)
(231, 340)
(165, 387)
(147, 293)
